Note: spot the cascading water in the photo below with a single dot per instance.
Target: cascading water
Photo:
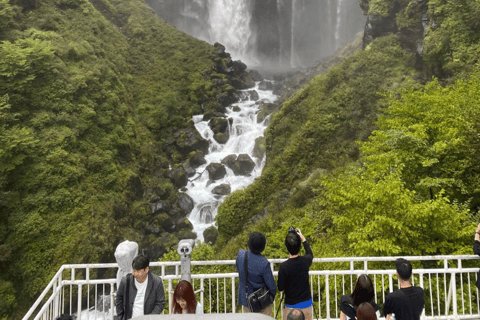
(274, 33)
(243, 130)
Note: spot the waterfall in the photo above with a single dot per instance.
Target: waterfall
(243, 130)
(338, 22)
(229, 22)
(278, 33)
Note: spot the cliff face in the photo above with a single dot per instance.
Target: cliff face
(407, 19)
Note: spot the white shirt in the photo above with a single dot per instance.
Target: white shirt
(139, 298)
(198, 309)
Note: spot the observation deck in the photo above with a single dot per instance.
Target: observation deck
(448, 282)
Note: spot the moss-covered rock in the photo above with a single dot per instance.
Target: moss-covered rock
(210, 235)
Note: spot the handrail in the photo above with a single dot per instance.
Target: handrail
(57, 285)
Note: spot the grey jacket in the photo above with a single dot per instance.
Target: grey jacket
(154, 296)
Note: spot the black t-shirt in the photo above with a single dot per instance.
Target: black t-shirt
(349, 309)
(406, 303)
(293, 277)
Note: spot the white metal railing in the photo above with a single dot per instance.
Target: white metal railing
(448, 282)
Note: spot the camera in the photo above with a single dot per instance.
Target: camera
(292, 230)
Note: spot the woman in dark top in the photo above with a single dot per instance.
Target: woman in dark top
(293, 275)
(363, 292)
(259, 271)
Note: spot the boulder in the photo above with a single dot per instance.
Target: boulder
(159, 207)
(210, 235)
(236, 109)
(259, 148)
(253, 95)
(222, 189)
(265, 85)
(256, 76)
(241, 165)
(188, 140)
(196, 159)
(183, 223)
(185, 202)
(152, 230)
(216, 171)
(219, 126)
(179, 177)
(165, 221)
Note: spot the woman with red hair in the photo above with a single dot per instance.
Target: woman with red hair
(184, 300)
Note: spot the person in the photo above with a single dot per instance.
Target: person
(295, 314)
(259, 271)
(64, 317)
(293, 276)
(363, 292)
(366, 311)
(140, 292)
(406, 303)
(184, 300)
(476, 250)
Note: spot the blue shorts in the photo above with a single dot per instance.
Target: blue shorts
(301, 305)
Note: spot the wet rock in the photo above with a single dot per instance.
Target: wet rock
(183, 223)
(179, 177)
(219, 126)
(266, 108)
(236, 109)
(259, 148)
(185, 202)
(210, 235)
(241, 165)
(265, 85)
(253, 95)
(196, 159)
(209, 115)
(256, 76)
(188, 140)
(222, 189)
(206, 213)
(216, 171)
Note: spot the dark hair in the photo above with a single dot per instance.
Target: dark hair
(140, 262)
(365, 311)
(64, 317)
(404, 268)
(363, 291)
(293, 243)
(256, 242)
(295, 314)
(184, 290)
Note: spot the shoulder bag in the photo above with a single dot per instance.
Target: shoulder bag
(259, 299)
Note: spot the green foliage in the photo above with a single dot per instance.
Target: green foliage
(452, 43)
(381, 8)
(317, 129)
(427, 135)
(7, 303)
(382, 217)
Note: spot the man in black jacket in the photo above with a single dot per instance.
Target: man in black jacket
(140, 292)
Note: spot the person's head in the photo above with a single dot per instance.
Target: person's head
(363, 291)
(140, 267)
(184, 298)
(365, 311)
(293, 243)
(64, 317)
(256, 242)
(404, 269)
(295, 314)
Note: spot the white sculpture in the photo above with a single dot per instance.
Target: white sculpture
(124, 254)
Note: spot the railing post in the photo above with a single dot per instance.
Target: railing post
(79, 302)
(327, 296)
(233, 294)
(55, 300)
(113, 308)
(170, 298)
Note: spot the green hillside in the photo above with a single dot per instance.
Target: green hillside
(96, 101)
(379, 156)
